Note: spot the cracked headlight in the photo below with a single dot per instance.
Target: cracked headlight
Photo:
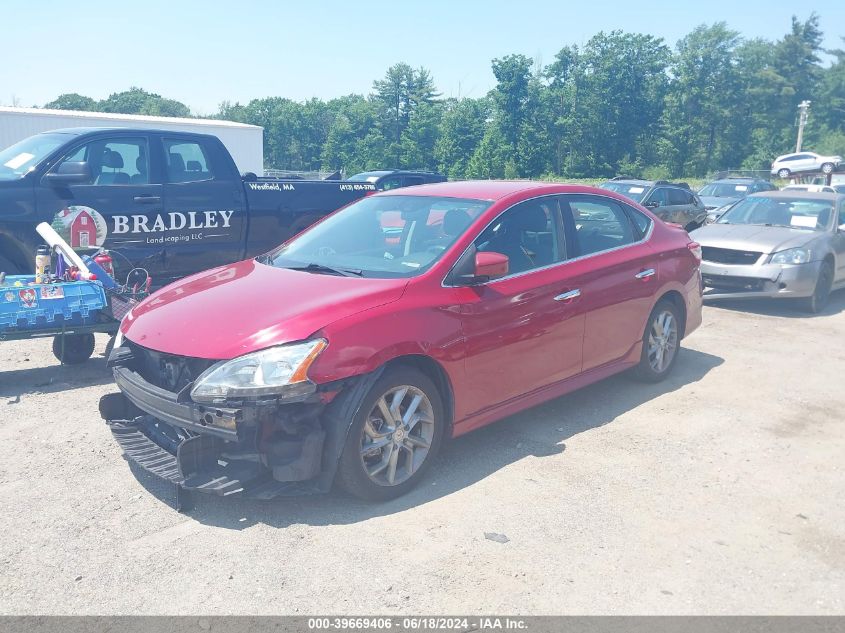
(791, 256)
(275, 371)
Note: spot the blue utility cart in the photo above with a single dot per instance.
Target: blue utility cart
(70, 312)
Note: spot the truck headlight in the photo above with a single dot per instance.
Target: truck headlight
(791, 256)
(275, 371)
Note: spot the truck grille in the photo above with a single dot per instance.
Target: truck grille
(728, 256)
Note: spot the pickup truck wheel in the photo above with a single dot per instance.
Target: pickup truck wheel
(661, 343)
(827, 168)
(394, 436)
(72, 349)
(783, 173)
(821, 293)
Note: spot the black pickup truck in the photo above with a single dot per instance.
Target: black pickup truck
(172, 203)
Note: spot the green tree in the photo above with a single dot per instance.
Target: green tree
(703, 97)
(400, 94)
(72, 101)
(462, 126)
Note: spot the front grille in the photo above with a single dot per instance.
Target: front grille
(167, 371)
(729, 282)
(728, 256)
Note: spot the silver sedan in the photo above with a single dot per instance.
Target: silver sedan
(776, 244)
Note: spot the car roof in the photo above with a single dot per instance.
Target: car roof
(794, 193)
(493, 190)
(79, 131)
(633, 181)
(732, 179)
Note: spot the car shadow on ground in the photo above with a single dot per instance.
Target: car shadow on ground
(540, 431)
(54, 378)
(787, 308)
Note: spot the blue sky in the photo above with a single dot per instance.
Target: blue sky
(204, 52)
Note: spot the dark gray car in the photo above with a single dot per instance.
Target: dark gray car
(776, 244)
(725, 191)
(671, 202)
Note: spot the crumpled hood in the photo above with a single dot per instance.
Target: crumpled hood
(752, 237)
(244, 307)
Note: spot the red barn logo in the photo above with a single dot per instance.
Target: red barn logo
(81, 227)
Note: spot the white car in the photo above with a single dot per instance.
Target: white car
(810, 188)
(788, 164)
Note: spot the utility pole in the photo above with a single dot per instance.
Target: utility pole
(804, 113)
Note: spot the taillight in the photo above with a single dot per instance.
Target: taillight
(695, 249)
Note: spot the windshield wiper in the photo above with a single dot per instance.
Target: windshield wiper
(321, 268)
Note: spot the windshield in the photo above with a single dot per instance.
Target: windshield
(724, 190)
(796, 213)
(389, 236)
(19, 159)
(634, 192)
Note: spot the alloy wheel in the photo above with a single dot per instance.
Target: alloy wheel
(397, 435)
(662, 341)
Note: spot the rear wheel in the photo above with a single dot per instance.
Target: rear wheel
(821, 293)
(783, 173)
(827, 168)
(394, 437)
(73, 349)
(661, 343)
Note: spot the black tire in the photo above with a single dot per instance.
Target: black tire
(783, 173)
(821, 293)
(352, 475)
(648, 370)
(827, 168)
(77, 348)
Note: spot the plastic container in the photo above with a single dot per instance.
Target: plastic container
(48, 306)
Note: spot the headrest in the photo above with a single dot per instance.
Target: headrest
(455, 221)
(112, 160)
(193, 165)
(531, 217)
(141, 165)
(177, 163)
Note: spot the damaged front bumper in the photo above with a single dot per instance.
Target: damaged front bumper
(730, 281)
(258, 449)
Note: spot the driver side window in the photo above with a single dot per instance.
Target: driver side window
(122, 161)
(526, 233)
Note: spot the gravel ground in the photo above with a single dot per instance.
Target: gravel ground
(719, 491)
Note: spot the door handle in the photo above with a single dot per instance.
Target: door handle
(147, 199)
(645, 274)
(569, 296)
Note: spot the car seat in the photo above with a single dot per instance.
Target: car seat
(112, 160)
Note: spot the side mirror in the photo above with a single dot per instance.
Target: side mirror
(652, 204)
(490, 265)
(69, 173)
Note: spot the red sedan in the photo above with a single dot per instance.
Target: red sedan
(352, 351)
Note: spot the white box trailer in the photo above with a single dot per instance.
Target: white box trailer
(244, 142)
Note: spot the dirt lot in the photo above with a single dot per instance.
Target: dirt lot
(719, 491)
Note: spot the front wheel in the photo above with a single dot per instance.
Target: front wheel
(394, 436)
(783, 173)
(827, 168)
(72, 349)
(821, 293)
(661, 343)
